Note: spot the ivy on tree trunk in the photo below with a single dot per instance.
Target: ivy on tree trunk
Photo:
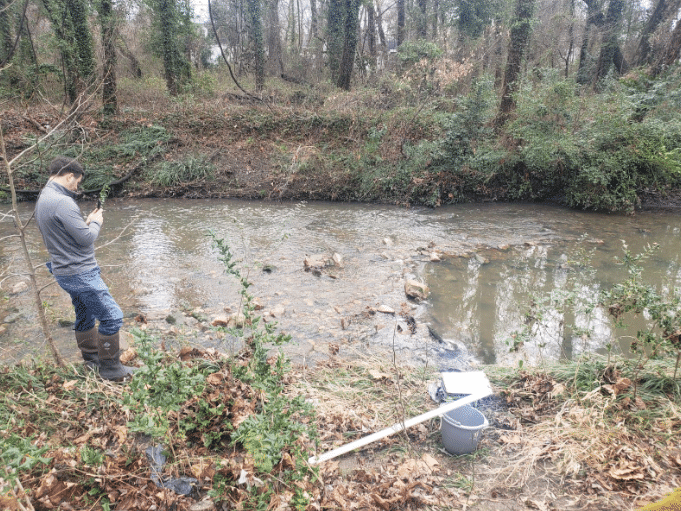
(662, 10)
(351, 14)
(69, 22)
(171, 27)
(400, 22)
(108, 24)
(610, 54)
(520, 37)
(255, 18)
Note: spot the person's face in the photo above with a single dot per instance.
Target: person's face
(72, 182)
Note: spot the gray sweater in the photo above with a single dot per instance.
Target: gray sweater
(69, 240)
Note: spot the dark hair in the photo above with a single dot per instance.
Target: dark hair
(64, 165)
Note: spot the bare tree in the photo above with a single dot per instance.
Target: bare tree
(30, 271)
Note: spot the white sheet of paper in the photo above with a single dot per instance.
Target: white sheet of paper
(465, 383)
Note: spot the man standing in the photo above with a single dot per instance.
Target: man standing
(70, 241)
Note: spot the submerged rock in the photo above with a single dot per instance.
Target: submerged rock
(416, 290)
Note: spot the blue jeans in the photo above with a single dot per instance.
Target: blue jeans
(91, 299)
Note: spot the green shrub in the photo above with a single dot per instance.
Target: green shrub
(592, 152)
(411, 52)
(173, 173)
(159, 387)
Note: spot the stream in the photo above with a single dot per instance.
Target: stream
(483, 264)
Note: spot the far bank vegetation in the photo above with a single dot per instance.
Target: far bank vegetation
(429, 102)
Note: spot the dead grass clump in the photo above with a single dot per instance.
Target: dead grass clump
(355, 398)
(601, 441)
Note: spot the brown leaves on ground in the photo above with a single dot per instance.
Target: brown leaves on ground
(123, 475)
(532, 395)
(399, 483)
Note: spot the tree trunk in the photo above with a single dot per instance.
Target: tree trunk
(69, 22)
(371, 29)
(255, 18)
(300, 27)
(351, 8)
(672, 52)
(436, 14)
(593, 18)
(400, 22)
(83, 39)
(135, 67)
(109, 92)
(314, 24)
(274, 38)
(423, 19)
(317, 43)
(662, 9)
(6, 39)
(292, 24)
(520, 37)
(571, 39)
(166, 17)
(381, 32)
(334, 37)
(610, 54)
(498, 54)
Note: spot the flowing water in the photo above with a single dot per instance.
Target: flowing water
(494, 259)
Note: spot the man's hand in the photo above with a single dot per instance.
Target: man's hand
(95, 216)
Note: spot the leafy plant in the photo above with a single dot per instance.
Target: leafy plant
(273, 431)
(19, 455)
(91, 456)
(465, 131)
(103, 194)
(174, 173)
(159, 387)
(411, 52)
(280, 421)
(633, 297)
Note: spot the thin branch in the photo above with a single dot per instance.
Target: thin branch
(29, 506)
(119, 234)
(16, 40)
(27, 256)
(10, 236)
(222, 52)
(71, 115)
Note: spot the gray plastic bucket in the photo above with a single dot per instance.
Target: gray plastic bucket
(461, 429)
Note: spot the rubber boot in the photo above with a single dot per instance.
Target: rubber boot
(110, 367)
(89, 347)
